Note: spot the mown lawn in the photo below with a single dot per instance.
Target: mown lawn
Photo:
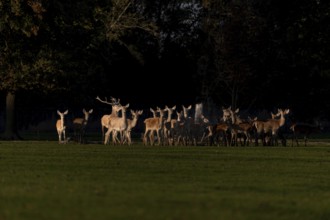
(45, 180)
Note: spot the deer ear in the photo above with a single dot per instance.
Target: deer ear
(91, 111)
(66, 112)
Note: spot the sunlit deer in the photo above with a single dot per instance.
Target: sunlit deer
(151, 125)
(303, 129)
(259, 129)
(116, 106)
(60, 126)
(131, 123)
(117, 125)
(79, 125)
(272, 126)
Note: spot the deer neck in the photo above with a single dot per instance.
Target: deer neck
(134, 122)
(160, 119)
(62, 122)
(281, 120)
(85, 120)
(169, 117)
(123, 115)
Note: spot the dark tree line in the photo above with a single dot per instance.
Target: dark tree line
(256, 54)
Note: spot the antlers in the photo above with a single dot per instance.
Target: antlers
(113, 101)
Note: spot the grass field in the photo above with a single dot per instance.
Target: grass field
(45, 180)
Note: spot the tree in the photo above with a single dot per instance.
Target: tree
(229, 31)
(39, 48)
(26, 63)
(96, 38)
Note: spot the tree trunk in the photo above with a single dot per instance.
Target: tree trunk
(10, 123)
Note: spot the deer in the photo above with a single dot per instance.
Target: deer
(195, 127)
(117, 125)
(272, 125)
(259, 129)
(241, 127)
(79, 125)
(167, 127)
(116, 106)
(151, 125)
(178, 128)
(237, 127)
(60, 126)
(303, 129)
(221, 128)
(188, 122)
(226, 114)
(205, 129)
(131, 123)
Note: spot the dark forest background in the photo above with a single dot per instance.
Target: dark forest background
(253, 55)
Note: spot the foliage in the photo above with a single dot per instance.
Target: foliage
(255, 47)
(25, 62)
(257, 54)
(230, 30)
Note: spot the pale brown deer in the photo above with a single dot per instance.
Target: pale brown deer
(151, 125)
(116, 106)
(259, 129)
(272, 126)
(117, 125)
(60, 126)
(131, 123)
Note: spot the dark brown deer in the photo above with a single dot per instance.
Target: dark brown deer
(79, 126)
(303, 129)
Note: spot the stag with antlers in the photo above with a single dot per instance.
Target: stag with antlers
(105, 120)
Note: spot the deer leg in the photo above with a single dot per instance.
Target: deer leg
(106, 137)
(158, 137)
(64, 138)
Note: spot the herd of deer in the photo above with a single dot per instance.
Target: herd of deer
(230, 130)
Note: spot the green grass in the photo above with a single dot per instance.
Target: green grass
(45, 180)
